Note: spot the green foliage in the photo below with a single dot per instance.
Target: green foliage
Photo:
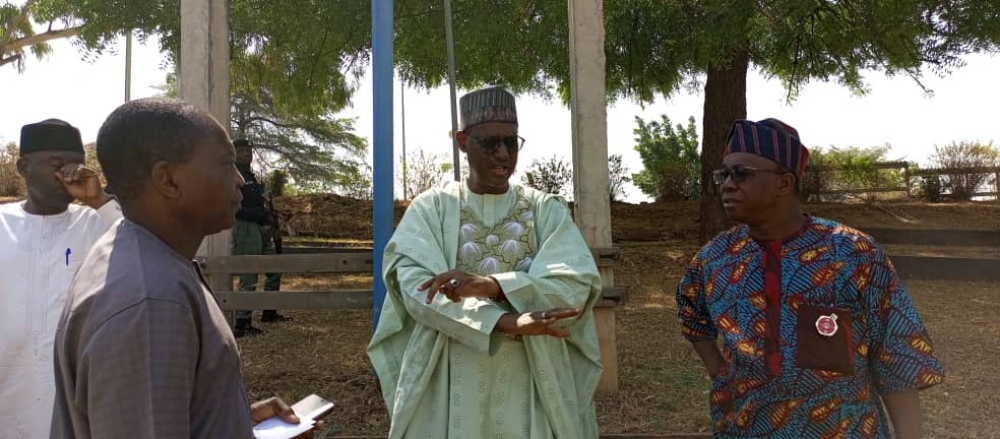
(549, 175)
(293, 65)
(92, 26)
(618, 177)
(316, 150)
(965, 155)
(850, 170)
(818, 178)
(308, 52)
(294, 57)
(931, 188)
(310, 147)
(298, 57)
(15, 26)
(669, 154)
(357, 182)
(655, 48)
(523, 43)
(277, 183)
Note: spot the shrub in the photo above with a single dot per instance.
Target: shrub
(670, 158)
(11, 183)
(549, 175)
(964, 156)
(618, 177)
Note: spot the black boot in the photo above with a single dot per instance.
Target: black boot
(272, 316)
(244, 328)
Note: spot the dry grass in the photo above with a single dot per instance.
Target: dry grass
(970, 216)
(962, 319)
(323, 353)
(663, 388)
(320, 352)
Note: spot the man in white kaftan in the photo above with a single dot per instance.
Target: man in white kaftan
(42, 242)
(509, 349)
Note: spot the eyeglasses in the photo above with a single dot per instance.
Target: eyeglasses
(490, 145)
(740, 173)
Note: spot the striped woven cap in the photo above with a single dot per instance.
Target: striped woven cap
(770, 138)
(491, 104)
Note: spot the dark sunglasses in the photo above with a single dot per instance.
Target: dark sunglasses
(740, 173)
(490, 145)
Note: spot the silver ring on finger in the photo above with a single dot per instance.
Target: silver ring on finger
(454, 283)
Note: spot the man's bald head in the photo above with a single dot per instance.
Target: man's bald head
(143, 132)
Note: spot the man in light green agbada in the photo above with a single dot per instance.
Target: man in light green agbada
(509, 347)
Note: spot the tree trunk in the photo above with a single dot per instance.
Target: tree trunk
(725, 101)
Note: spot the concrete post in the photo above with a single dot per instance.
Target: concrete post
(204, 81)
(588, 106)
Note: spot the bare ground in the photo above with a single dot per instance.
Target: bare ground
(663, 388)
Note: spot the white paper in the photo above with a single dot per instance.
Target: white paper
(315, 413)
(275, 428)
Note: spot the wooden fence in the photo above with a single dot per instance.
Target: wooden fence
(909, 172)
(992, 171)
(335, 261)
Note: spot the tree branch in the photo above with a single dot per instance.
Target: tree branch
(10, 59)
(272, 122)
(16, 45)
(15, 24)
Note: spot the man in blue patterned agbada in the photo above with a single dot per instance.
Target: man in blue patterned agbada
(487, 328)
(818, 332)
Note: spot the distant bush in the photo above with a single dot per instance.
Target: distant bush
(670, 157)
(964, 155)
(424, 170)
(11, 183)
(931, 188)
(851, 170)
(618, 177)
(818, 178)
(277, 183)
(549, 175)
(357, 182)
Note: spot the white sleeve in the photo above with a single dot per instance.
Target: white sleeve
(110, 211)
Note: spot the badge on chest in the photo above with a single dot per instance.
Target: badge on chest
(827, 325)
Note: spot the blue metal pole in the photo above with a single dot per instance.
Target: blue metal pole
(382, 74)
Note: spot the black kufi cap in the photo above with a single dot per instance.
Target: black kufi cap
(50, 135)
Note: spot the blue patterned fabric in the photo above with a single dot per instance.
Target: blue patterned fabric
(826, 266)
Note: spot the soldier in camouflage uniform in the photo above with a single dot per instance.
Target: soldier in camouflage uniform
(253, 234)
